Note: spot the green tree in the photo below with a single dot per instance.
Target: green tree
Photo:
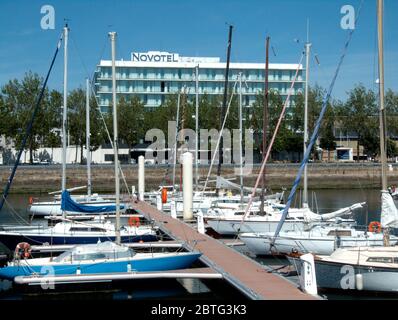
(19, 102)
(358, 115)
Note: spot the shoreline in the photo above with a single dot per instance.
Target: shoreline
(46, 178)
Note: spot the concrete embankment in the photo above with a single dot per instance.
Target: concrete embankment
(42, 179)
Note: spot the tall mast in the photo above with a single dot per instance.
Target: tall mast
(240, 137)
(88, 154)
(224, 104)
(307, 75)
(196, 126)
(382, 115)
(65, 107)
(265, 120)
(115, 138)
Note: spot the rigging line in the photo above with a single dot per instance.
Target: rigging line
(30, 125)
(316, 129)
(15, 212)
(108, 134)
(219, 138)
(282, 115)
(91, 85)
(80, 57)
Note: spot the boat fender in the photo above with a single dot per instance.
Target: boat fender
(22, 250)
(164, 195)
(359, 281)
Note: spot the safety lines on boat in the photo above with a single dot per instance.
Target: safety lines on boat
(219, 138)
(259, 176)
(316, 129)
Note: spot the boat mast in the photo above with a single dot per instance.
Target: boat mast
(112, 35)
(382, 115)
(224, 105)
(65, 107)
(176, 139)
(88, 155)
(265, 121)
(240, 137)
(307, 75)
(196, 125)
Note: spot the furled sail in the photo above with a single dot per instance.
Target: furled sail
(314, 217)
(389, 212)
(68, 204)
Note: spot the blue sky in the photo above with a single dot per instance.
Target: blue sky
(198, 28)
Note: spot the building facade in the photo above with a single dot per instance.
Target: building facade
(154, 75)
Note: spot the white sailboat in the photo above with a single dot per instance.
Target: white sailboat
(366, 268)
(53, 207)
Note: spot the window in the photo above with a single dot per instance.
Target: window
(89, 256)
(340, 233)
(382, 259)
(162, 86)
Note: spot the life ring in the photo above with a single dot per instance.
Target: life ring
(134, 221)
(164, 195)
(22, 250)
(374, 226)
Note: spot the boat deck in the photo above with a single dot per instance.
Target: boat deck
(244, 273)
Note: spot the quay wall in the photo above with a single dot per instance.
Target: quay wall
(45, 178)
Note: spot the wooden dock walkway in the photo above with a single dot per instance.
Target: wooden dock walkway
(242, 272)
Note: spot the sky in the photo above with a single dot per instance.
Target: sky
(199, 28)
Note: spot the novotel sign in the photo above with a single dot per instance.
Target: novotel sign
(154, 56)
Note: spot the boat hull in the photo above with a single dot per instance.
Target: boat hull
(175, 262)
(321, 246)
(233, 227)
(341, 276)
(11, 240)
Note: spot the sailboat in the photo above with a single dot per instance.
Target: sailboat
(366, 268)
(314, 238)
(102, 257)
(53, 207)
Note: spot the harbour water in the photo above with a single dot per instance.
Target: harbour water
(15, 212)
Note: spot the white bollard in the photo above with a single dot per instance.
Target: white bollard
(141, 178)
(201, 223)
(173, 209)
(307, 274)
(133, 190)
(187, 182)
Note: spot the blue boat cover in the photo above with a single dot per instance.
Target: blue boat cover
(68, 204)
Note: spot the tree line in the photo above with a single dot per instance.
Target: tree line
(357, 117)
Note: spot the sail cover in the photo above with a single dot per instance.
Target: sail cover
(68, 204)
(314, 217)
(389, 212)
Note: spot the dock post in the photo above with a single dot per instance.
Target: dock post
(187, 182)
(141, 178)
(201, 223)
(173, 208)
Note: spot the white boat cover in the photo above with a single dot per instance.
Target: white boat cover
(389, 212)
(310, 216)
